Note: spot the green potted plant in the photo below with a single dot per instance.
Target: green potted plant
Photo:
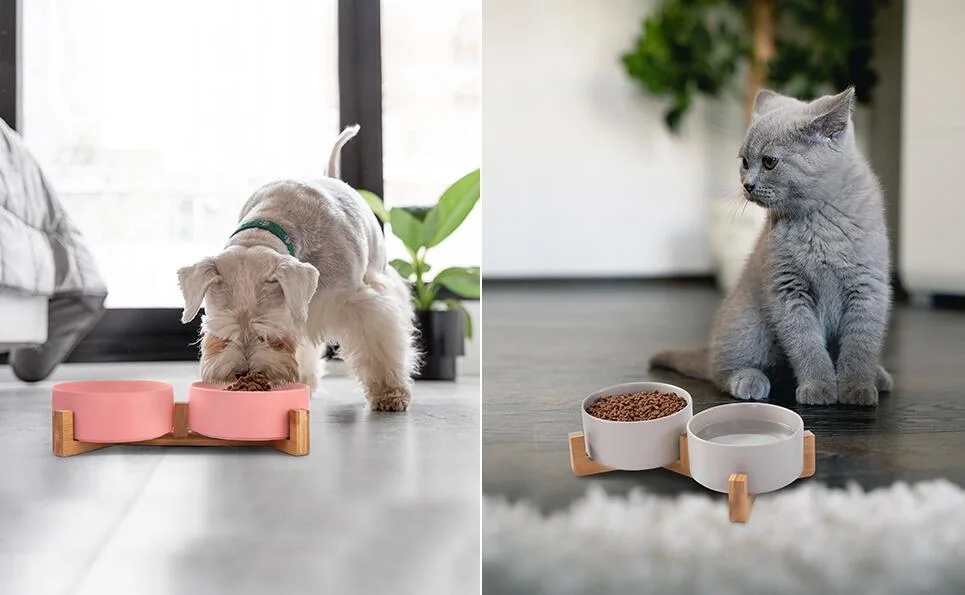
(801, 48)
(443, 321)
(715, 48)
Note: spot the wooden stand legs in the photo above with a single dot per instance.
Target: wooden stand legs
(296, 444)
(738, 498)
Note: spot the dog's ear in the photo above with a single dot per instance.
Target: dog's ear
(298, 281)
(194, 281)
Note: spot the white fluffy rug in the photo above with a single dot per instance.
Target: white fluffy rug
(808, 540)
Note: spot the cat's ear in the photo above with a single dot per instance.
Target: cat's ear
(830, 115)
(764, 98)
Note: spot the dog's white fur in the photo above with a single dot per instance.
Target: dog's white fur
(269, 312)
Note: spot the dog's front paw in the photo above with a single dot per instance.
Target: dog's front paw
(311, 381)
(860, 394)
(816, 393)
(396, 399)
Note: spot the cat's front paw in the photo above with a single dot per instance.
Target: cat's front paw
(750, 385)
(883, 380)
(860, 394)
(816, 393)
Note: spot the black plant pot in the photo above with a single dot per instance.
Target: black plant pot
(441, 341)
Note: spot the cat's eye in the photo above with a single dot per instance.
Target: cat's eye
(744, 162)
(769, 162)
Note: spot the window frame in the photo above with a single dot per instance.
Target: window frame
(10, 63)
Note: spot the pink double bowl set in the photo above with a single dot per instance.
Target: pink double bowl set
(118, 411)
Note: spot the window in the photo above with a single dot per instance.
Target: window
(156, 120)
(432, 105)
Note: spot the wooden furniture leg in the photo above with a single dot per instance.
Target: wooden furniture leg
(581, 464)
(296, 444)
(63, 436)
(681, 465)
(738, 500)
(809, 464)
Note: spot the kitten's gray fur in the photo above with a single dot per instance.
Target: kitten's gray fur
(817, 283)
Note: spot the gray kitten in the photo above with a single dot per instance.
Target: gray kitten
(815, 293)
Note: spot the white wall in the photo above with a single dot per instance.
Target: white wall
(884, 122)
(581, 177)
(932, 207)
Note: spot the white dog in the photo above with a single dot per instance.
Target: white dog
(306, 265)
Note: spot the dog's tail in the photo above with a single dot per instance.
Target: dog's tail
(693, 362)
(334, 162)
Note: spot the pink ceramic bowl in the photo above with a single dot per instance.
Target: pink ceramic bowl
(111, 411)
(243, 415)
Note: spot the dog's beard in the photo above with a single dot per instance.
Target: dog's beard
(280, 367)
(222, 363)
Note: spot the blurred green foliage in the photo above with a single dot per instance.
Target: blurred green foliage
(691, 47)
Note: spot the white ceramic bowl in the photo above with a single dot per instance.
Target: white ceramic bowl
(763, 441)
(635, 445)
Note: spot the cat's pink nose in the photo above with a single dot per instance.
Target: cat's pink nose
(749, 187)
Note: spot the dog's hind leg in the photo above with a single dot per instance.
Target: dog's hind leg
(375, 329)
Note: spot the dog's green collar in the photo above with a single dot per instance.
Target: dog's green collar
(270, 227)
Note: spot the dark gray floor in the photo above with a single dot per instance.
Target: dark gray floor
(385, 503)
(548, 346)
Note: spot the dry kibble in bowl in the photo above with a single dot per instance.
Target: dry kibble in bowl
(643, 406)
(255, 381)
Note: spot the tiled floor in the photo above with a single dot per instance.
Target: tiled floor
(385, 503)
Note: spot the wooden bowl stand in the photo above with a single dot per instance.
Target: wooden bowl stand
(738, 498)
(297, 443)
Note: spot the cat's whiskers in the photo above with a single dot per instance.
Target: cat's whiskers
(740, 205)
(744, 208)
(720, 128)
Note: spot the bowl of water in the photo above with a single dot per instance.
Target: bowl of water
(763, 441)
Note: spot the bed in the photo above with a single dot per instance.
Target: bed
(51, 292)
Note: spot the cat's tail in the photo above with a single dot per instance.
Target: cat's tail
(692, 362)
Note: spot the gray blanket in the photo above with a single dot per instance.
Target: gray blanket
(41, 251)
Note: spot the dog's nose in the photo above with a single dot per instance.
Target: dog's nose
(749, 187)
(241, 371)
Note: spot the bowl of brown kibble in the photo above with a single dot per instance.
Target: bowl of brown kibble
(250, 408)
(637, 425)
